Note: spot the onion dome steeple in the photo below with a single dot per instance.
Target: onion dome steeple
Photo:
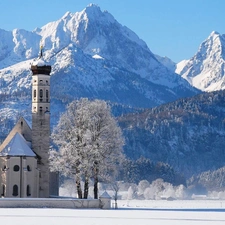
(39, 66)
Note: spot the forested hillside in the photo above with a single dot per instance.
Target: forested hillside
(188, 134)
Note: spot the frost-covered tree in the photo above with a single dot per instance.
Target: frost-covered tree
(132, 192)
(115, 187)
(90, 144)
(106, 142)
(181, 192)
(149, 193)
(143, 184)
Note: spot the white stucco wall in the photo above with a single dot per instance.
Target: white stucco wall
(26, 175)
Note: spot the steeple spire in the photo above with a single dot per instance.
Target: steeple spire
(39, 66)
(41, 51)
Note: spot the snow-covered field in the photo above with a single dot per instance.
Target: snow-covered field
(129, 213)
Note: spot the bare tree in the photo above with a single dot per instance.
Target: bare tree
(106, 143)
(115, 187)
(90, 144)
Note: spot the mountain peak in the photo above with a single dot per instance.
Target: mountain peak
(67, 15)
(206, 69)
(94, 12)
(214, 33)
(213, 41)
(92, 9)
(92, 5)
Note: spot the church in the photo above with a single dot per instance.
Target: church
(24, 166)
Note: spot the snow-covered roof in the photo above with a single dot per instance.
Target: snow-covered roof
(39, 62)
(105, 195)
(17, 147)
(28, 123)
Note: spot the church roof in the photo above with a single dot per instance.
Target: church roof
(28, 122)
(17, 146)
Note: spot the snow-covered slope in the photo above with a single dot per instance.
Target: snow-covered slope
(17, 45)
(205, 70)
(167, 62)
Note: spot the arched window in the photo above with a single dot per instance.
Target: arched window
(15, 190)
(46, 82)
(41, 93)
(16, 168)
(47, 95)
(35, 93)
(28, 190)
(28, 168)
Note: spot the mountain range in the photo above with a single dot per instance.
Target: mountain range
(90, 50)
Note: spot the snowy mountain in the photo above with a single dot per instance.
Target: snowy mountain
(92, 55)
(205, 70)
(98, 34)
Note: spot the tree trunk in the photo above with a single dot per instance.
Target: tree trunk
(96, 187)
(78, 184)
(86, 186)
(96, 183)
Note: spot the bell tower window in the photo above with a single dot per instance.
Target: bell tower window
(47, 96)
(35, 93)
(41, 94)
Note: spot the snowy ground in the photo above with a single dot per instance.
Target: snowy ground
(129, 213)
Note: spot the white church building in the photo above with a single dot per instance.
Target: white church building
(24, 167)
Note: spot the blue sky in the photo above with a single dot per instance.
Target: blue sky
(172, 28)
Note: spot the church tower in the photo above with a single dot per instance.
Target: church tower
(41, 121)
